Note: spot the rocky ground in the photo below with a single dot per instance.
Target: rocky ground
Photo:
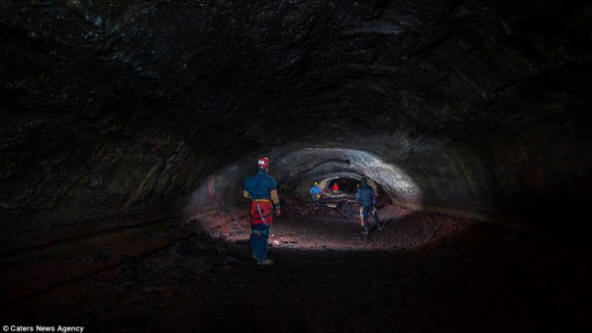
(424, 273)
(118, 119)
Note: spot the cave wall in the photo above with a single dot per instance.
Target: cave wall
(115, 108)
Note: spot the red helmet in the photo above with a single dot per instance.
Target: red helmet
(263, 163)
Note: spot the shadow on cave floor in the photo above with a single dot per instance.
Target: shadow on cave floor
(481, 278)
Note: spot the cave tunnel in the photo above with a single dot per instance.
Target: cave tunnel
(129, 127)
(344, 184)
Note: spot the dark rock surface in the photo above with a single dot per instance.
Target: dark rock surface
(478, 277)
(120, 119)
(111, 105)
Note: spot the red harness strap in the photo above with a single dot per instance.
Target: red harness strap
(261, 212)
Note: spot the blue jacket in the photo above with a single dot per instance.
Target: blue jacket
(315, 190)
(365, 196)
(260, 185)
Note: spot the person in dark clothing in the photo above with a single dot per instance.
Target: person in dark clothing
(367, 199)
(262, 190)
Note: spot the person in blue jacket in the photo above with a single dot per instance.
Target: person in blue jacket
(367, 199)
(261, 189)
(315, 192)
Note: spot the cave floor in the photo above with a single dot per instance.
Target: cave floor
(478, 278)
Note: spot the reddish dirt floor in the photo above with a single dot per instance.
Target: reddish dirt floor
(424, 273)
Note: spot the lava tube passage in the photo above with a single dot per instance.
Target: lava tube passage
(295, 166)
(331, 219)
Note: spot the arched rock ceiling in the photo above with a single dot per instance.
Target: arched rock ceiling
(109, 106)
(275, 71)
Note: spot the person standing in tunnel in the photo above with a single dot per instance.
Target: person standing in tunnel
(367, 199)
(335, 187)
(261, 189)
(315, 192)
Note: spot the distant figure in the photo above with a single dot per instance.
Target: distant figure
(335, 187)
(315, 192)
(262, 190)
(367, 199)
